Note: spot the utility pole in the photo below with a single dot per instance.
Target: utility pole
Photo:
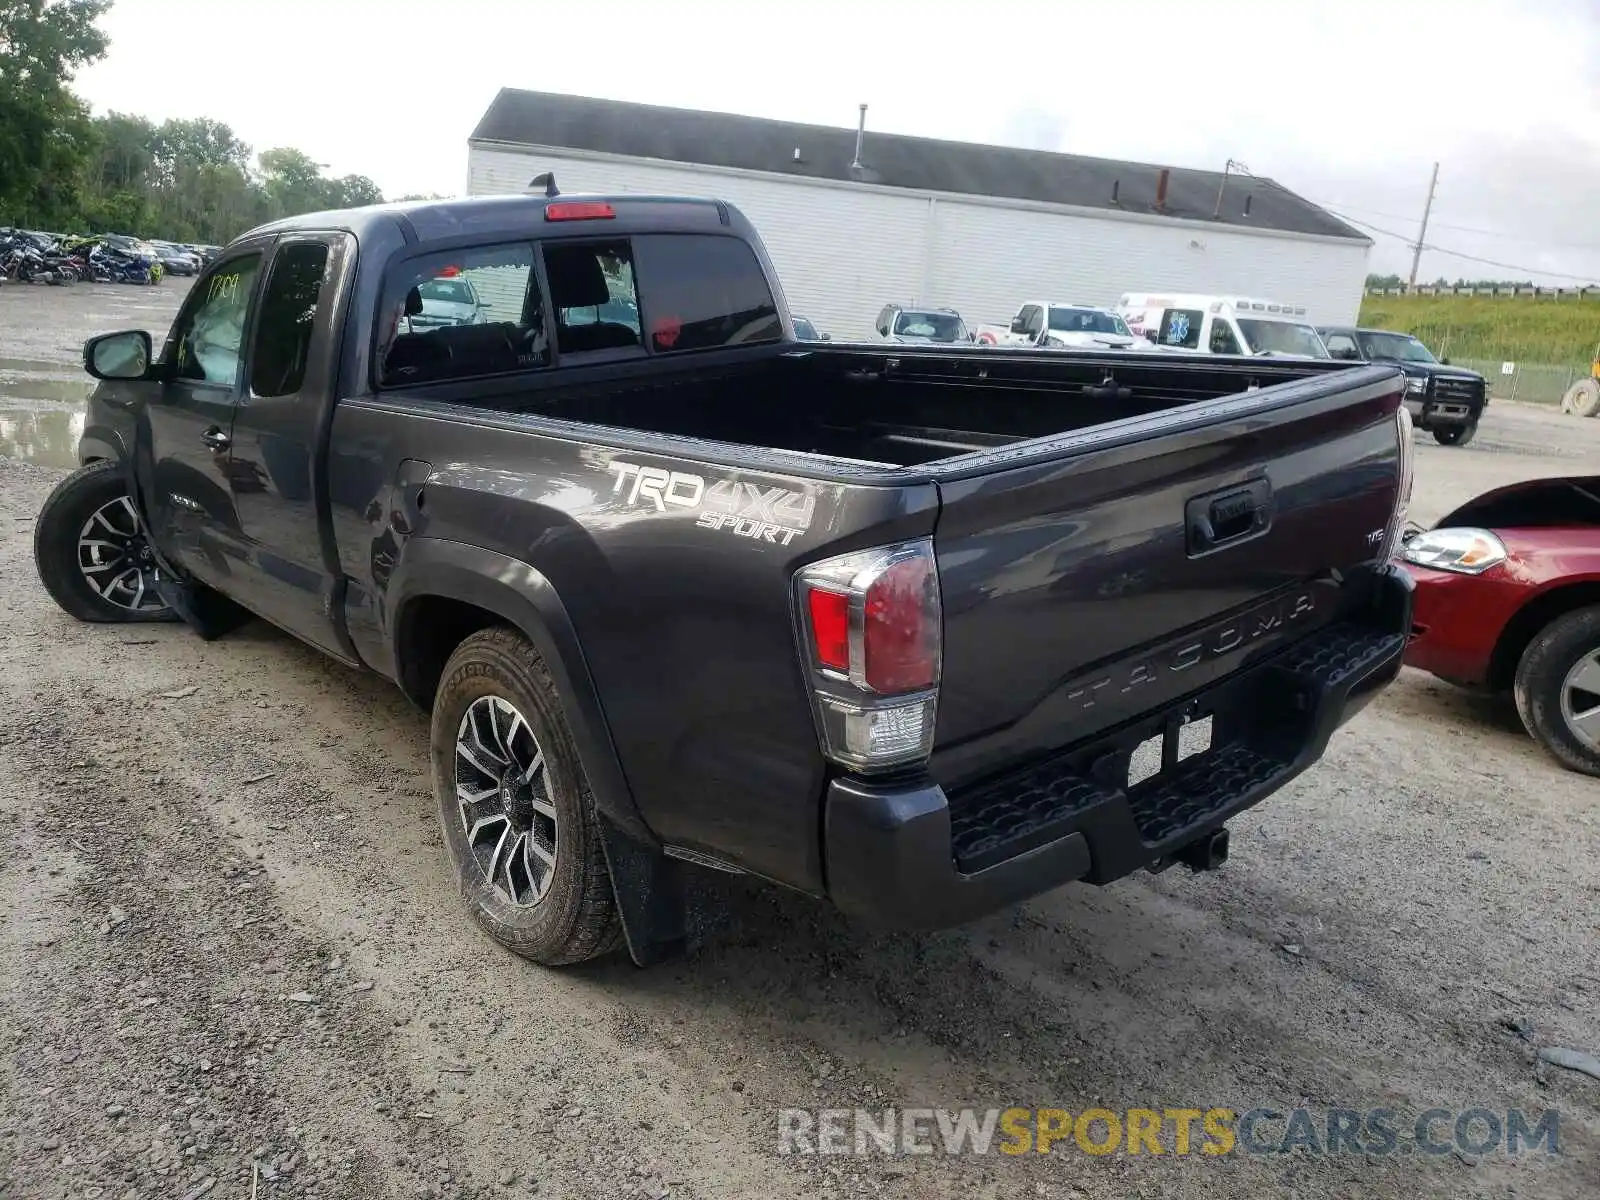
(1416, 250)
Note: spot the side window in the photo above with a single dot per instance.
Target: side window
(1222, 339)
(209, 337)
(593, 294)
(1181, 327)
(288, 313)
(1342, 345)
(460, 314)
(1035, 321)
(703, 291)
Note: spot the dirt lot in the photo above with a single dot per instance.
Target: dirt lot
(234, 963)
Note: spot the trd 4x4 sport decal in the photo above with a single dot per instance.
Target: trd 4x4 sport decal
(751, 510)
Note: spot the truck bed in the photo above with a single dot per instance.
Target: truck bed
(905, 407)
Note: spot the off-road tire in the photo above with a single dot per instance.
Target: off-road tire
(1583, 398)
(1538, 685)
(55, 544)
(1455, 435)
(577, 919)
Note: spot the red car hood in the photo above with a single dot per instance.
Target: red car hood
(1564, 500)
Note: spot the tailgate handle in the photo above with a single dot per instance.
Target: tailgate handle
(1220, 519)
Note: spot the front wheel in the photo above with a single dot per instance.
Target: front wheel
(1557, 689)
(92, 552)
(514, 805)
(1455, 435)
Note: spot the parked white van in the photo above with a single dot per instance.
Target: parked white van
(1221, 324)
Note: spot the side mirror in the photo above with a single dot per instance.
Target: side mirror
(1445, 361)
(1018, 327)
(827, 337)
(125, 355)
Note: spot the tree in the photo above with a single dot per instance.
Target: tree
(199, 142)
(44, 148)
(353, 191)
(43, 41)
(185, 180)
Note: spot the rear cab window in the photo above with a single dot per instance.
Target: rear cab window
(703, 292)
(608, 298)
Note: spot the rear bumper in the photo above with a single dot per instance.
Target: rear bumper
(909, 856)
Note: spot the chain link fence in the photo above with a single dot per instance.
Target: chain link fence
(1536, 383)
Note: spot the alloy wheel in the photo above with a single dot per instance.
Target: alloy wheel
(503, 794)
(1580, 699)
(115, 558)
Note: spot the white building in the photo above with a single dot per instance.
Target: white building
(922, 221)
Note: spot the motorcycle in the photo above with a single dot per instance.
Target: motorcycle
(119, 266)
(22, 261)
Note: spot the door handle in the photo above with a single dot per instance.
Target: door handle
(216, 439)
(1219, 519)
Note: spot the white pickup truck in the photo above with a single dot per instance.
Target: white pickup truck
(1064, 327)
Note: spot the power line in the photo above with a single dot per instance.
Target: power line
(1488, 262)
(1505, 237)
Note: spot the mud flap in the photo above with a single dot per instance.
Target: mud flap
(209, 613)
(669, 908)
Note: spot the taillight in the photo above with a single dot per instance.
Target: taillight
(870, 630)
(579, 210)
(1402, 498)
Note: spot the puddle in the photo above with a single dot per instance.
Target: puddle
(41, 410)
(33, 390)
(44, 434)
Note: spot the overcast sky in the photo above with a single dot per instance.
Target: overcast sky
(1347, 102)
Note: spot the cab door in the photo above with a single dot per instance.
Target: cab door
(181, 450)
(286, 566)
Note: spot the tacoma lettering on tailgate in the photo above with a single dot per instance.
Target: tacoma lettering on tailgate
(1255, 626)
(777, 515)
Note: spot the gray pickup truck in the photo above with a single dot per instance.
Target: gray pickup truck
(920, 631)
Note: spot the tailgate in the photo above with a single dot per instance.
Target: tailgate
(1099, 576)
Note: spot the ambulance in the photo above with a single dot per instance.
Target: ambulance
(1221, 324)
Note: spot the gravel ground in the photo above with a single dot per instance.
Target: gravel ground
(234, 963)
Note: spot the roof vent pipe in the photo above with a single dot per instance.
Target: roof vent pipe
(861, 133)
(1161, 189)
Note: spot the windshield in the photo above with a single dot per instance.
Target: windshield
(1281, 337)
(451, 291)
(939, 327)
(1086, 320)
(1401, 346)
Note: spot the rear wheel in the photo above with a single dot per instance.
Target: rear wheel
(1455, 435)
(91, 550)
(1558, 689)
(514, 805)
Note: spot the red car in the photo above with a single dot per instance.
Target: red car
(1508, 598)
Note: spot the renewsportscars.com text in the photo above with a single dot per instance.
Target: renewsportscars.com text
(1209, 1132)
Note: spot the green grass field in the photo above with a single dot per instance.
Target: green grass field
(1521, 329)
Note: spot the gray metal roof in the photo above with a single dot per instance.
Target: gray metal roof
(891, 160)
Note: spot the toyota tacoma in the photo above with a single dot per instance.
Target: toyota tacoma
(920, 631)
